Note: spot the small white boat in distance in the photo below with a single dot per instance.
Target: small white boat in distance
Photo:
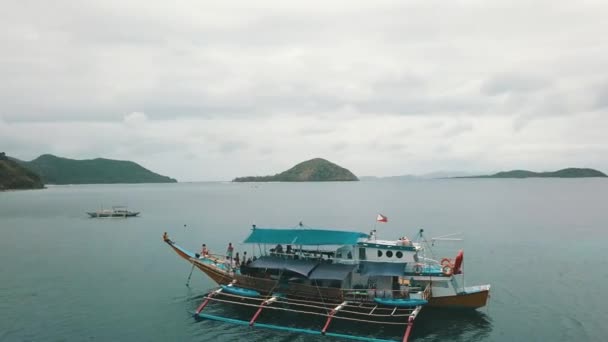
(118, 212)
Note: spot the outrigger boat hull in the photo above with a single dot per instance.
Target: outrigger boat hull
(261, 284)
(218, 272)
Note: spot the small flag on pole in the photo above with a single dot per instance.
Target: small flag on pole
(381, 218)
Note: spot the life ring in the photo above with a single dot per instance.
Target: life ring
(458, 262)
(447, 270)
(417, 269)
(446, 262)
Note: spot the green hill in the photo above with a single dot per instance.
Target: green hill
(314, 170)
(15, 176)
(57, 170)
(564, 173)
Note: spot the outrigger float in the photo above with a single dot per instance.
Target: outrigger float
(355, 278)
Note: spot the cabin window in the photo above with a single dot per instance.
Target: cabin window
(379, 254)
(399, 255)
(389, 254)
(362, 254)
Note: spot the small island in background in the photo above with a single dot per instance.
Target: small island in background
(57, 170)
(51, 169)
(314, 170)
(563, 173)
(15, 177)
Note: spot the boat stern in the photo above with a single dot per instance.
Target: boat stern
(472, 297)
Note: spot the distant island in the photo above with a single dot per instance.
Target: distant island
(314, 170)
(57, 170)
(15, 177)
(424, 176)
(564, 173)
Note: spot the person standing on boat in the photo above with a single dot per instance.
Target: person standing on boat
(229, 252)
(237, 260)
(204, 251)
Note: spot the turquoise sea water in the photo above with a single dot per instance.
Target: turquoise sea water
(541, 243)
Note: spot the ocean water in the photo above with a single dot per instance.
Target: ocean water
(540, 243)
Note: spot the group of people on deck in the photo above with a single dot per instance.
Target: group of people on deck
(279, 250)
(231, 258)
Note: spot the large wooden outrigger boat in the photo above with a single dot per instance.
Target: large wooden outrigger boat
(338, 275)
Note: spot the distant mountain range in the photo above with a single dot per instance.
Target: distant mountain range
(431, 175)
(57, 170)
(314, 170)
(14, 176)
(563, 173)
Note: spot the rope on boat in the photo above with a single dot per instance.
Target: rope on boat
(290, 300)
(305, 312)
(190, 276)
(279, 300)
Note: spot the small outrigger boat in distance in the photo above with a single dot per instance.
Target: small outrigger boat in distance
(355, 278)
(115, 212)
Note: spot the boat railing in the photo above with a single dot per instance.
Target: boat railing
(297, 255)
(370, 294)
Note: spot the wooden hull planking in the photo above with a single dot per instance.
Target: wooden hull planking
(462, 301)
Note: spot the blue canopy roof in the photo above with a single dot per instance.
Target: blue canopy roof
(299, 236)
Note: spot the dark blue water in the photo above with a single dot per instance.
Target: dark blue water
(541, 243)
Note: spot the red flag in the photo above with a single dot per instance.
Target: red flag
(381, 218)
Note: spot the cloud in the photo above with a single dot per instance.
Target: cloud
(376, 86)
(513, 83)
(601, 99)
(135, 119)
(232, 146)
(457, 129)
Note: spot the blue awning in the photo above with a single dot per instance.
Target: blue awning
(331, 271)
(382, 269)
(302, 267)
(308, 237)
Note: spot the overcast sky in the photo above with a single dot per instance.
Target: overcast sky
(201, 90)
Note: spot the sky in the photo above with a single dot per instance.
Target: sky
(211, 90)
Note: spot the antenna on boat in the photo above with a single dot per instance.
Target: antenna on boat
(446, 238)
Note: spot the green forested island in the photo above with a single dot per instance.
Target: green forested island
(564, 173)
(314, 170)
(57, 170)
(15, 177)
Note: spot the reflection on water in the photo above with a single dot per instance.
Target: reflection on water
(115, 280)
(435, 324)
(432, 324)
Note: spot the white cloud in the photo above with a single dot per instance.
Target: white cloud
(135, 119)
(226, 89)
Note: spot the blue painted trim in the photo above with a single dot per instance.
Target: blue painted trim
(289, 329)
(240, 291)
(406, 303)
